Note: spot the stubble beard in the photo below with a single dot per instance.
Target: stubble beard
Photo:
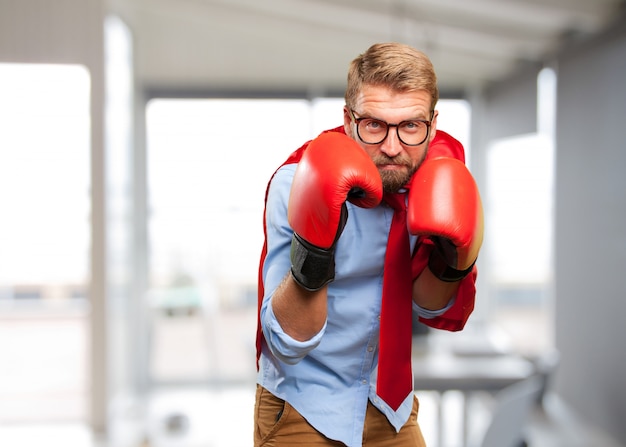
(393, 181)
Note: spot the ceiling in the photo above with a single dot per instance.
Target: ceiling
(306, 45)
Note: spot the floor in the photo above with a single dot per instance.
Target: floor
(192, 417)
(44, 389)
(202, 418)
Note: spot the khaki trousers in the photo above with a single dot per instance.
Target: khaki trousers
(278, 424)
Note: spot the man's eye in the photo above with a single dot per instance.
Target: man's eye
(412, 125)
(374, 125)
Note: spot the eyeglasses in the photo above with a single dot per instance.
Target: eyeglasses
(374, 131)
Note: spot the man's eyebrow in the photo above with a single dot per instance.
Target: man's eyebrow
(389, 122)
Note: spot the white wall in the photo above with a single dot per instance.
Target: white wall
(590, 215)
(591, 230)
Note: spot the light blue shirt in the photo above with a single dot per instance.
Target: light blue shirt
(330, 378)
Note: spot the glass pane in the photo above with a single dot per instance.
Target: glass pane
(208, 166)
(44, 264)
(519, 221)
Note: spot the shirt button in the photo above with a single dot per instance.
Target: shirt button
(370, 349)
(364, 382)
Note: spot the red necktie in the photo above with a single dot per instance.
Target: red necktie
(395, 380)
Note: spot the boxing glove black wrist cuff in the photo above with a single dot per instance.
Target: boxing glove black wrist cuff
(440, 268)
(312, 267)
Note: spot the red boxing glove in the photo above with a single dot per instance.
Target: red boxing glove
(444, 205)
(333, 169)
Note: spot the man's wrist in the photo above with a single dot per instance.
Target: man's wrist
(442, 271)
(311, 267)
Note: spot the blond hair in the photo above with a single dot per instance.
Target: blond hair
(397, 66)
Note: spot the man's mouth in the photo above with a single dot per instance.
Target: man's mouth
(390, 167)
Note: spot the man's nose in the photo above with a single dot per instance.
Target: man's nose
(391, 146)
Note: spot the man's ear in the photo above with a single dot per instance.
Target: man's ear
(347, 122)
(433, 126)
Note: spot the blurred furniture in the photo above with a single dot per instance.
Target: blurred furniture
(511, 412)
(475, 361)
(448, 371)
(545, 365)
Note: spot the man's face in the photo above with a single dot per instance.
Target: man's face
(395, 160)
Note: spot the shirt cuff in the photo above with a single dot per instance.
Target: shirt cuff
(429, 314)
(285, 347)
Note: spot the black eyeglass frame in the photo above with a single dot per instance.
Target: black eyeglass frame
(397, 126)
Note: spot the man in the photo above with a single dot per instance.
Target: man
(334, 323)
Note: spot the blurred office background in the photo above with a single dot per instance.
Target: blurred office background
(136, 141)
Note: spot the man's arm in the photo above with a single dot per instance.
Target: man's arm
(429, 292)
(301, 313)
(332, 170)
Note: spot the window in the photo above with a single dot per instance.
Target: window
(44, 263)
(209, 161)
(519, 198)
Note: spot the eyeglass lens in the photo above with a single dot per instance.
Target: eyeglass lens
(373, 131)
